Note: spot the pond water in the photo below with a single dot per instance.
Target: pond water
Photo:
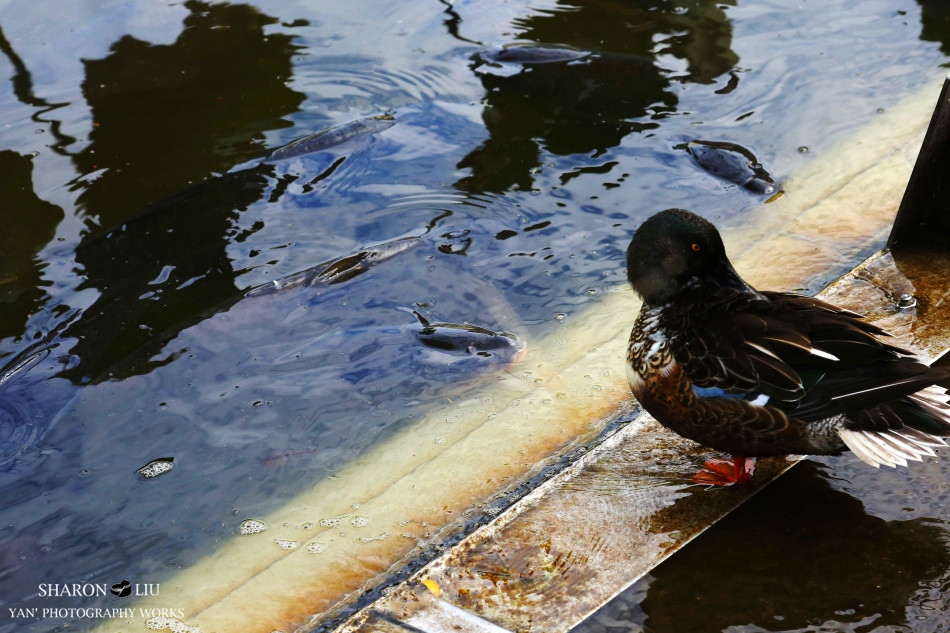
(172, 287)
(832, 546)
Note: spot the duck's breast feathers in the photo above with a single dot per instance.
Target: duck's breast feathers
(774, 344)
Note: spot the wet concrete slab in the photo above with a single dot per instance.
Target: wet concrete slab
(906, 291)
(561, 554)
(589, 533)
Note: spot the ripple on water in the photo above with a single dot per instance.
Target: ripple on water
(356, 81)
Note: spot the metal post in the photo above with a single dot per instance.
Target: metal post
(925, 207)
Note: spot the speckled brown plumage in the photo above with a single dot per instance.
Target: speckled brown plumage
(664, 388)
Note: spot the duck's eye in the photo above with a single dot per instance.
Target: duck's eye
(695, 247)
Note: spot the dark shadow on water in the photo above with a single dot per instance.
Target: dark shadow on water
(194, 107)
(589, 105)
(160, 273)
(797, 554)
(27, 224)
(935, 19)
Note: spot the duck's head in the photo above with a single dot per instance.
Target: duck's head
(675, 250)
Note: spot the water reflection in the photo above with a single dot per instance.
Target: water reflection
(194, 107)
(453, 21)
(588, 105)
(159, 273)
(22, 81)
(799, 553)
(27, 223)
(255, 396)
(935, 22)
(30, 398)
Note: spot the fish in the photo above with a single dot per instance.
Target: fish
(325, 139)
(732, 163)
(439, 343)
(339, 270)
(526, 54)
(451, 352)
(279, 459)
(466, 339)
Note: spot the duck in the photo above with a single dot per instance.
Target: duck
(755, 373)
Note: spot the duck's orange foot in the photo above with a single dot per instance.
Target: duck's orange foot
(724, 472)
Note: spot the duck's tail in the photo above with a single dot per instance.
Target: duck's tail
(916, 424)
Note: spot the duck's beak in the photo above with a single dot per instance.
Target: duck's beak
(725, 276)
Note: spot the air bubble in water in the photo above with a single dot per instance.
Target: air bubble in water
(156, 467)
(252, 526)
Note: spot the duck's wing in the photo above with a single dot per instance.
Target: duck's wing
(868, 378)
(893, 410)
(771, 344)
(870, 395)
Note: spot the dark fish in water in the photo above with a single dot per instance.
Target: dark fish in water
(339, 270)
(447, 346)
(518, 56)
(468, 340)
(527, 54)
(459, 344)
(331, 138)
(732, 163)
(24, 366)
(279, 459)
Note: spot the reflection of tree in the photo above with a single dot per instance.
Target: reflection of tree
(26, 225)
(800, 550)
(935, 23)
(166, 116)
(159, 273)
(590, 105)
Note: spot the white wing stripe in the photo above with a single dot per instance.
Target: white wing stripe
(856, 443)
(890, 448)
(855, 393)
(891, 456)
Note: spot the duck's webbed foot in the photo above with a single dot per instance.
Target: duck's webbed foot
(724, 472)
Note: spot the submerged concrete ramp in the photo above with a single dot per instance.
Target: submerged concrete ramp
(618, 511)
